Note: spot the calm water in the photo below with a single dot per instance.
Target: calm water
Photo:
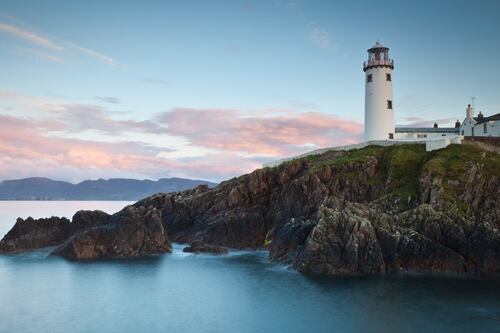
(241, 292)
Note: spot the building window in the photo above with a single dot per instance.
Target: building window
(388, 77)
(389, 104)
(391, 136)
(369, 78)
(420, 136)
(485, 127)
(462, 132)
(472, 131)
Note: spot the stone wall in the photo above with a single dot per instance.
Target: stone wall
(383, 143)
(487, 143)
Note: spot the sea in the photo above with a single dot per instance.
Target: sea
(240, 292)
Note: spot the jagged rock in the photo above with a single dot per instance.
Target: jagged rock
(483, 250)
(287, 241)
(408, 251)
(32, 234)
(132, 233)
(200, 247)
(343, 241)
(85, 219)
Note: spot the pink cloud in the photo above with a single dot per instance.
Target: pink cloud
(81, 117)
(29, 36)
(45, 42)
(231, 142)
(26, 151)
(279, 135)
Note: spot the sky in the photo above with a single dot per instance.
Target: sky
(213, 89)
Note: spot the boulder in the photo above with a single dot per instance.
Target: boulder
(32, 234)
(200, 247)
(132, 233)
(85, 219)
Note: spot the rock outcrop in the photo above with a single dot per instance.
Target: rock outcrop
(343, 241)
(372, 210)
(200, 247)
(85, 219)
(131, 233)
(32, 234)
(393, 209)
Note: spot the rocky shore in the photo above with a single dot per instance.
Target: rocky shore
(372, 210)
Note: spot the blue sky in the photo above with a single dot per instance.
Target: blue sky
(97, 70)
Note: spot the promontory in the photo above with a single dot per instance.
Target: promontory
(371, 210)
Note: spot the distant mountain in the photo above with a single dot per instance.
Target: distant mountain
(38, 188)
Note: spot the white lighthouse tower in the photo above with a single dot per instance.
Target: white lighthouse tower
(379, 113)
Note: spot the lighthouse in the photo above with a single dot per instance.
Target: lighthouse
(379, 112)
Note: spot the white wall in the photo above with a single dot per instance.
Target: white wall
(415, 135)
(379, 120)
(435, 144)
(493, 128)
(466, 127)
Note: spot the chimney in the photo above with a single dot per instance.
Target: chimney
(470, 111)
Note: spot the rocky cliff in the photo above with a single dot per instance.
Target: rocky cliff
(31, 234)
(372, 210)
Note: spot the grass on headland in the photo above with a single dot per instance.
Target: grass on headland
(400, 167)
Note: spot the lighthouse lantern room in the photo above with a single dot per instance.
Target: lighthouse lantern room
(379, 112)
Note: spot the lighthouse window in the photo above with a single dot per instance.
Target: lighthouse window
(369, 78)
(388, 77)
(389, 104)
(485, 127)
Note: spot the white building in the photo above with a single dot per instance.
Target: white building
(379, 113)
(480, 125)
(423, 133)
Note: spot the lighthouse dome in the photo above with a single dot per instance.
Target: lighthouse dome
(377, 46)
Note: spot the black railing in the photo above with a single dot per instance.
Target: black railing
(372, 63)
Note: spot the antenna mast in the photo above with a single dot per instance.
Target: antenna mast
(473, 98)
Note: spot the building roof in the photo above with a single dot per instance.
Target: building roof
(486, 119)
(427, 130)
(377, 46)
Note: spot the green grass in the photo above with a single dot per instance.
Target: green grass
(400, 168)
(269, 238)
(454, 161)
(313, 158)
(353, 156)
(359, 155)
(452, 165)
(404, 164)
